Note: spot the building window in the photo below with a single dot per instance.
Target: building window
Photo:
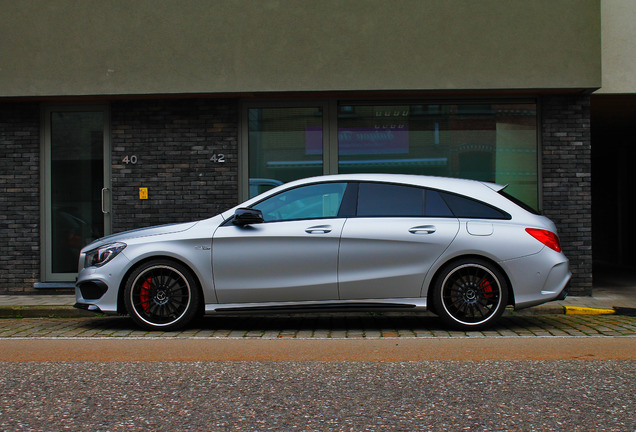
(490, 142)
(494, 142)
(284, 144)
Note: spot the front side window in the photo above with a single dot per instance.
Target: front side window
(305, 202)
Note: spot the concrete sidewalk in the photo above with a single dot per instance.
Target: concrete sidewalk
(611, 298)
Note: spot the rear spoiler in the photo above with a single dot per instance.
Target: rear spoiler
(496, 187)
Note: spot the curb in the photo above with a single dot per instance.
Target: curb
(44, 312)
(577, 310)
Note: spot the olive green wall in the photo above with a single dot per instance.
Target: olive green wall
(619, 42)
(96, 47)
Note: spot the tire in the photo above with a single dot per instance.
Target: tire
(162, 295)
(470, 294)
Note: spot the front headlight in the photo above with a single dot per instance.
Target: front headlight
(103, 254)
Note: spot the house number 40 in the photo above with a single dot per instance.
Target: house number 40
(130, 159)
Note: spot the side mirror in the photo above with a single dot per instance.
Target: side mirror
(247, 216)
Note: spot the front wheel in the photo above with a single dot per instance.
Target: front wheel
(162, 295)
(470, 294)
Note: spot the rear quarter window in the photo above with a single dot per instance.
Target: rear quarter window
(464, 207)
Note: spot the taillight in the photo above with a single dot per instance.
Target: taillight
(546, 237)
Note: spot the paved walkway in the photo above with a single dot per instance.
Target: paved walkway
(323, 326)
(610, 312)
(611, 295)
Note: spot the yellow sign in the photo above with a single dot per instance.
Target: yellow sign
(143, 193)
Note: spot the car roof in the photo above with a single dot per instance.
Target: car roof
(462, 186)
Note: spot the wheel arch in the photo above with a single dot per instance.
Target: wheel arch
(121, 307)
(438, 272)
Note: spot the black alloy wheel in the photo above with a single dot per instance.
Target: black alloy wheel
(470, 294)
(162, 295)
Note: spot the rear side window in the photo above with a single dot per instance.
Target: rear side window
(379, 199)
(389, 200)
(464, 207)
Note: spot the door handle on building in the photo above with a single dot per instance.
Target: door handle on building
(105, 209)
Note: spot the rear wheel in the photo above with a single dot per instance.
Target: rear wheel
(162, 295)
(470, 294)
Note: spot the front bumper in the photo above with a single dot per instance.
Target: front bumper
(88, 307)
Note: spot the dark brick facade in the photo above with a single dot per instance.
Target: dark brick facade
(19, 196)
(173, 142)
(567, 189)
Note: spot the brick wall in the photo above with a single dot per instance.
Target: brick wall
(567, 192)
(19, 196)
(173, 141)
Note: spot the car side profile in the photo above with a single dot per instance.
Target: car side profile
(463, 249)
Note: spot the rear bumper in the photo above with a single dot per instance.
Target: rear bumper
(564, 293)
(538, 278)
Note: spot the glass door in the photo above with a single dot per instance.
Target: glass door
(76, 186)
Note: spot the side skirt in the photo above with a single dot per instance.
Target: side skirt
(414, 304)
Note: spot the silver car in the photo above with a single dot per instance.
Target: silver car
(460, 248)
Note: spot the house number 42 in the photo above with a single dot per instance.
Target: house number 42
(218, 158)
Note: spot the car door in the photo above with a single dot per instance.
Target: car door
(397, 234)
(292, 256)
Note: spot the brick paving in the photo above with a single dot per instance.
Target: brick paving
(324, 326)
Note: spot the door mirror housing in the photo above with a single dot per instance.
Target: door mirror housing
(247, 216)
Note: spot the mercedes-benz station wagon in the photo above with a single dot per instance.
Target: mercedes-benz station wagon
(462, 249)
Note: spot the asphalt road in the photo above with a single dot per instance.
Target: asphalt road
(542, 373)
(319, 396)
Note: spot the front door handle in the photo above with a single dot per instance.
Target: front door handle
(424, 229)
(319, 229)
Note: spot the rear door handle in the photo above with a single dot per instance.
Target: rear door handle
(424, 229)
(319, 229)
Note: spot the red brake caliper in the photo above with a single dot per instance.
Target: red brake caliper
(486, 288)
(144, 295)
